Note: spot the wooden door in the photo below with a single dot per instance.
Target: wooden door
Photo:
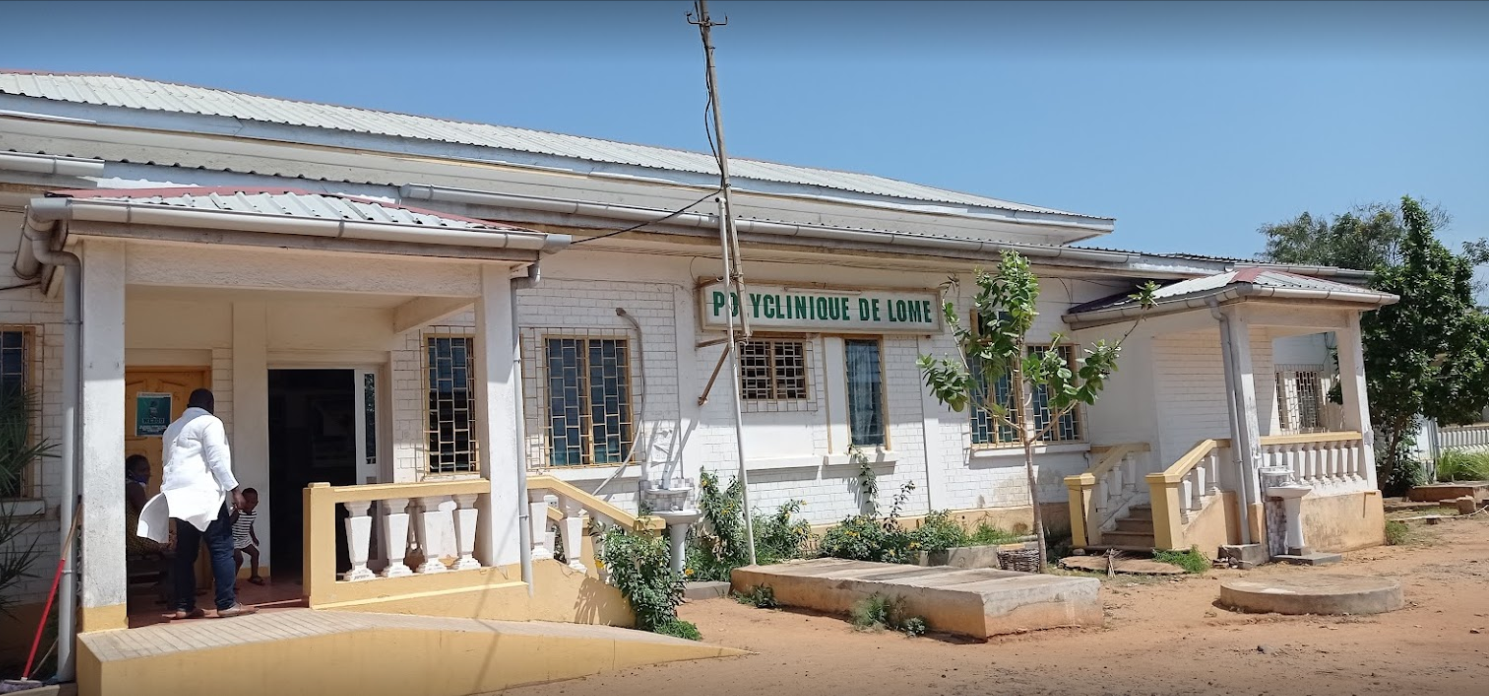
(178, 383)
(155, 383)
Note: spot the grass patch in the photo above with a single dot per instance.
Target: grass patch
(678, 628)
(1453, 465)
(878, 612)
(1398, 533)
(1192, 561)
(988, 535)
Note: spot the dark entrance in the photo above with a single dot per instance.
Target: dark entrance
(312, 438)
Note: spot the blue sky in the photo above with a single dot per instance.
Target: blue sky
(1191, 123)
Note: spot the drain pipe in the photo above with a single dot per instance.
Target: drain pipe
(72, 322)
(524, 508)
(1233, 410)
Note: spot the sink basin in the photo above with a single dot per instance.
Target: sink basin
(1289, 491)
(672, 517)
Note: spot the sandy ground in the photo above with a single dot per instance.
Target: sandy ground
(1161, 637)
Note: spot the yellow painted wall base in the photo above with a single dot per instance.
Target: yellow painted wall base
(306, 652)
(108, 618)
(1216, 525)
(561, 594)
(1344, 522)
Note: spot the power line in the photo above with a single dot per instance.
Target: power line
(638, 226)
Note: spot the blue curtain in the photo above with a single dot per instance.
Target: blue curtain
(865, 393)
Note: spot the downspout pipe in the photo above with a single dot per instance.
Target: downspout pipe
(524, 508)
(41, 239)
(1233, 410)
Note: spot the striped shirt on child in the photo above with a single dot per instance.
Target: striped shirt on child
(243, 528)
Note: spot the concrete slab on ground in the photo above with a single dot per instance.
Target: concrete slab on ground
(1125, 566)
(1439, 492)
(1309, 559)
(705, 590)
(975, 602)
(1313, 594)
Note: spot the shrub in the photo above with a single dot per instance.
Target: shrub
(879, 611)
(780, 536)
(1454, 465)
(1397, 533)
(680, 629)
(866, 538)
(1057, 543)
(1397, 472)
(718, 545)
(759, 596)
(988, 535)
(940, 532)
(639, 564)
(19, 448)
(1192, 561)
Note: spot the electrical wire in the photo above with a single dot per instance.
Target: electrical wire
(638, 226)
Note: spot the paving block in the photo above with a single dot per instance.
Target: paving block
(1309, 559)
(975, 602)
(1245, 556)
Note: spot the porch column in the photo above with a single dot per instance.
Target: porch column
(1352, 387)
(1248, 426)
(101, 448)
(496, 404)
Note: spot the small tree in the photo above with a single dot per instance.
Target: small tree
(18, 451)
(1003, 309)
(1427, 355)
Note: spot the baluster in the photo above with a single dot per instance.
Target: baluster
(427, 531)
(466, 518)
(1336, 462)
(1199, 483)
(1187, 496)
(1213, 475)
(1098, 495)
(1116, 476)
(358, 536)
(1134, 477)
(538, 511)
(1356, 457)
(395, 537)
(572, 530)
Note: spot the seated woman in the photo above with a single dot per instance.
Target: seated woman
(136, 477)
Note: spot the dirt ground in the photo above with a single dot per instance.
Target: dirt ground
(1161, 637)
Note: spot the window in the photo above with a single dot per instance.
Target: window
(16, 354)
(773, 375)
(989, 432)
(588, 394)
(450, 373)
(865, 392)
(1300, 398)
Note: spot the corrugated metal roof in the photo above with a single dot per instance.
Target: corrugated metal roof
(289, 203)
(1196, 287)
(150, 95)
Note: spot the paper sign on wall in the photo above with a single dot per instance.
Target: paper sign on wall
(152, 414)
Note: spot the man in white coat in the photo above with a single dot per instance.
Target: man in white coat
(200, 492)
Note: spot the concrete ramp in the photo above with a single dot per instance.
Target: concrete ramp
(304, 651)
(976, 602)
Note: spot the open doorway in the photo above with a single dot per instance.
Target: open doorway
(313, 431)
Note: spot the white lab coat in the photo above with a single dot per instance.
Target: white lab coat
(198, 474)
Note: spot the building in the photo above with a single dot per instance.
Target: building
(362, 291)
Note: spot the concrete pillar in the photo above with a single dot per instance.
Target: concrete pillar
(1248, 430)
(101, 449)
(501, 453)
(250, 439)
(835, 387)
(1356, 399)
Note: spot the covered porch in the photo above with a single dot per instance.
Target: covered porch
(1222, 397)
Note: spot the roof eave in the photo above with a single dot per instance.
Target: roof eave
(1228, 295)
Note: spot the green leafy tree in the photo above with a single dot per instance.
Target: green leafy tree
(1004, 307)
(1427, 355)
(1366, 237)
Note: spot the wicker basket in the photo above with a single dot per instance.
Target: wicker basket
(1025, 560)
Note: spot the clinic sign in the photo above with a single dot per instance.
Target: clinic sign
(774, 307)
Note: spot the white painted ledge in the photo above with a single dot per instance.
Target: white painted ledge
(590, 473)
(813, 461)
(992, 453)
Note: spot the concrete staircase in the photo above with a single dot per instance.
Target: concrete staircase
(1133, 533)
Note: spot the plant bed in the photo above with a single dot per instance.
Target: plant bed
(973, 556)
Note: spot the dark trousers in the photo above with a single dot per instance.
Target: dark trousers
(219, 538)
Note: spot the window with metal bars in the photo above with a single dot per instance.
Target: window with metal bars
(865, 381)
(16, 355)
(1300, 398)
(773, 375)
(449, 369)
(588, 393)
(990, 432)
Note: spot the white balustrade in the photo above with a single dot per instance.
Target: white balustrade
(1463, 437)
(1118, 477)
(1325, 461)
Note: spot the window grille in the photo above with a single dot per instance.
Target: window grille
(1300, 399)
(17, 353)
(583, 397)
(450, 380)
(989, 432)
(773, 375)
(865, 382)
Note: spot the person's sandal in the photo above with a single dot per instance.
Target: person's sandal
(238, 609)
(179, 615)
(256, 580)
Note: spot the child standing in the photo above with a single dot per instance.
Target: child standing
(245, 540)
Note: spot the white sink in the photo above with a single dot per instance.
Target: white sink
(1291, 490)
